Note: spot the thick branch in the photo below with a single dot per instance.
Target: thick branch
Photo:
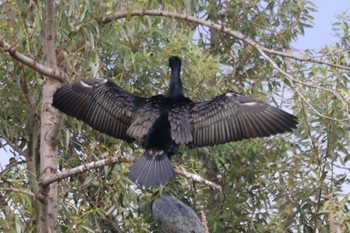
(85, 167)
(45, 181)
(32, 63)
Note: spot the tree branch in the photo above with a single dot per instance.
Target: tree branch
(29, 193)
(31, 101)
(291, 80)
(32, 63)
(32, 155)
(204, 221)
(45, 181)
(235, 34)
(14, 146)
(304, 58)
(198, 178)
(85, 167)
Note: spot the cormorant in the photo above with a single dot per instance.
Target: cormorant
(162, 122)
(173, 216)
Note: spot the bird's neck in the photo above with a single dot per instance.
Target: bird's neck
(175, 88)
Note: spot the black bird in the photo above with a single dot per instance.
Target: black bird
(162, 122)
(173, 216)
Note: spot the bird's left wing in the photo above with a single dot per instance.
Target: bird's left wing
(100, 103)
(232, 117)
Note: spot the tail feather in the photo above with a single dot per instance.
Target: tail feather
(153, 168)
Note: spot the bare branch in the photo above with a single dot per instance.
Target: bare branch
(29, 193)
(32, 63)
(85, 167)
(45, 181)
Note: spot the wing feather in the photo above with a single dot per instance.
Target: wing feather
(146, 117)
(179, 121)
(232, 117)
(100, 103)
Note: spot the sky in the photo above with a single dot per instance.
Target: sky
(314, 38)
(321, 33)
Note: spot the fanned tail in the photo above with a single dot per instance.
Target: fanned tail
(153, 168)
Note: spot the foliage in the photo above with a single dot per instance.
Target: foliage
(277, 184)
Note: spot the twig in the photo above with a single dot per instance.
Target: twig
(204, 222)
(341, 121)
(198, 178)
(29, 193)
(303, 58)
(32, 63)
(14, 146)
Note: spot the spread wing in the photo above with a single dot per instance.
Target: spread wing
(100, 103)
(232, 117)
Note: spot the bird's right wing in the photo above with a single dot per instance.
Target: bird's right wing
(100, 103)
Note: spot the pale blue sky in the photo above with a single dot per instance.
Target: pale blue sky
(314, 38)
(322, 33)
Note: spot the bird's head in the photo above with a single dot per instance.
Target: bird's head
(174, 61)
(175, 87)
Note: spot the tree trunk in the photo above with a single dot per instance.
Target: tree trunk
(50, 123)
